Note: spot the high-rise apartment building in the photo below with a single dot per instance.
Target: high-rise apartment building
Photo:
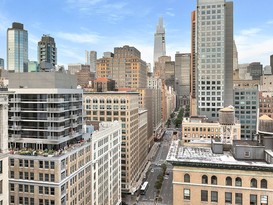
(47, 51)
(159, 40)
(2, 63)
(214, 48)
(125, 67)
(91, 59)
(123, 107)
(50, 160)
(17, 48)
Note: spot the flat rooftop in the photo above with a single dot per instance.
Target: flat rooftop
(180, 155)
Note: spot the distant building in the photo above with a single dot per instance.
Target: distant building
(17, 48)
(159, 40)
(103, 85)
(2, 63)
(47, 52)
(85, 76)
(125, 66)
(266, 96)
(271, 63)
(256, 70)
(182, 78)
(246, 103)
(33, 66)
(90, 59)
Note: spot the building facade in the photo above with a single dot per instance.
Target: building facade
(50, 161)
(246, 102)
(106, 169)
(123, 107)
(47, 51)
(17, 48)
(2, 63)
(266, 96)
(159, 40)
(125, 67)
(214, 48)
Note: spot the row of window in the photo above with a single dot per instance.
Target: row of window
(30, 163)
(228, 197)
(228, 181)
(109, 100)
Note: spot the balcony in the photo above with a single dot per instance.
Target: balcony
(15, 99)
(74, 116)
(15, 109)
(55, 128)
(73, 108)
(55, 118)
(61, 109)
(16, 136)
(15, 118)
(15, 127)
(55, 99)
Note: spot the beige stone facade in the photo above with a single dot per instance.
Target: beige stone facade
(123, 107)
(219, 184)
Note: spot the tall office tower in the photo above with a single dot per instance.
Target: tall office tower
(214, 48)
(50, 161)
(256, 70)
(17, 48)
(124, 66)
(182, 78)
(159, 40)
(91, 59)
(106, 158)
(4, 163)
(123, 107)
(47, 51)
(2, 63)
(193, 73)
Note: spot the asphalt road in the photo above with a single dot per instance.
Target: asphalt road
(155, 169)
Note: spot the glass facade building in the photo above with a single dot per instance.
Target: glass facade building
(17, 48)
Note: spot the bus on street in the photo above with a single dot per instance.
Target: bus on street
(144, 188)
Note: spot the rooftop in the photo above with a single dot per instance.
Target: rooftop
(204, 157)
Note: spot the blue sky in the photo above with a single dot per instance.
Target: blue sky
(101, 25)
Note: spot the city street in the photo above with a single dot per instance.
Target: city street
(155, 169)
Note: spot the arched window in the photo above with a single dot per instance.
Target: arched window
(228, 181)
(204, 179)
(102, 100)
(95, 100)
(109, 100)
(214, 180)
(253, 183)
(87, 100)
(264, 184)
(238, 181)
(187, 178)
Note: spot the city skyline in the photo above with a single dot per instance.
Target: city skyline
(79, 25)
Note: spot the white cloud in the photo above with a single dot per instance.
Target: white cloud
(80, 37)
(254, 44)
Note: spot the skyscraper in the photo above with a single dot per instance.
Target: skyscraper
(2, 63)
(91, 59)
(47, 51)
(214, 47)
(17, 48)
(159, 41)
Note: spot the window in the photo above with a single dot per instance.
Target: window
(228, 197)
(187, 178)
(214, 196)
(253, 199)
(264, 199)
(238, 199)
(11, 187)
(238, 181)
(228, 181)
(204, 179)
(214, 180)
(263, 184)
(204, 195)
(187, 194)
(11, 162)
(253, 183)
